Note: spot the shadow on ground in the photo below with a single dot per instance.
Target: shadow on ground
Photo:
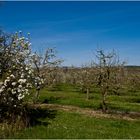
(36, 116)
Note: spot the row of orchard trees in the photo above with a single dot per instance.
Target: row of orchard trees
(107, 74)
(20, 71)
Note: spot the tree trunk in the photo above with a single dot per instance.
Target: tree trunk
(37, 95)
(87, 93)
(104, 106)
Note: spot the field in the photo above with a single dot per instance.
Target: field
(70, 115)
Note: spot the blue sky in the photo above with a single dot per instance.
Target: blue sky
(77, 29)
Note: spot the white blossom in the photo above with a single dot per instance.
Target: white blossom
(29, 85)
(13, 83)
(30, 72)
(20, 86)
(26, 68)
(8, 78)
(3, 87)
(12, 76)
(26, 91)
(6, 82)
(13, 91)
(42, 81)
(1, 90)
(22, 75)
(19, 90)
(22, 81)
(21, 97)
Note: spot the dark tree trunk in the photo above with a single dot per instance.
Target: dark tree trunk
(37, 95)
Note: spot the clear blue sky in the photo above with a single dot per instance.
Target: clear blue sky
(77, 29)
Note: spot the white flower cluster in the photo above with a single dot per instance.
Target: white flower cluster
(38, 82)
(20, 73)
(17, 88)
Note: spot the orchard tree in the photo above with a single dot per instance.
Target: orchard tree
(17, 73)
(45, 66)
(86, 79)
(109, 71)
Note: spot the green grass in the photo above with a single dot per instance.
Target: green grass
(69, 95)
(72, 125)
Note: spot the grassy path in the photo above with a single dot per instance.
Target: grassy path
(131, 116)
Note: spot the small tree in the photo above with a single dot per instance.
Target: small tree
(86, 79)
(108, 73)
(44, 66)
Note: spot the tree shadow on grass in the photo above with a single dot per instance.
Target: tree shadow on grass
(52, 99)
(39, 116)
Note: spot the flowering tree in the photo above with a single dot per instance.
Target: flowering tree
(86, 79)
(45, 69)
(16, 72)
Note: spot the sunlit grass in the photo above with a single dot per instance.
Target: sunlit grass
(72, 125)
(69, 95)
